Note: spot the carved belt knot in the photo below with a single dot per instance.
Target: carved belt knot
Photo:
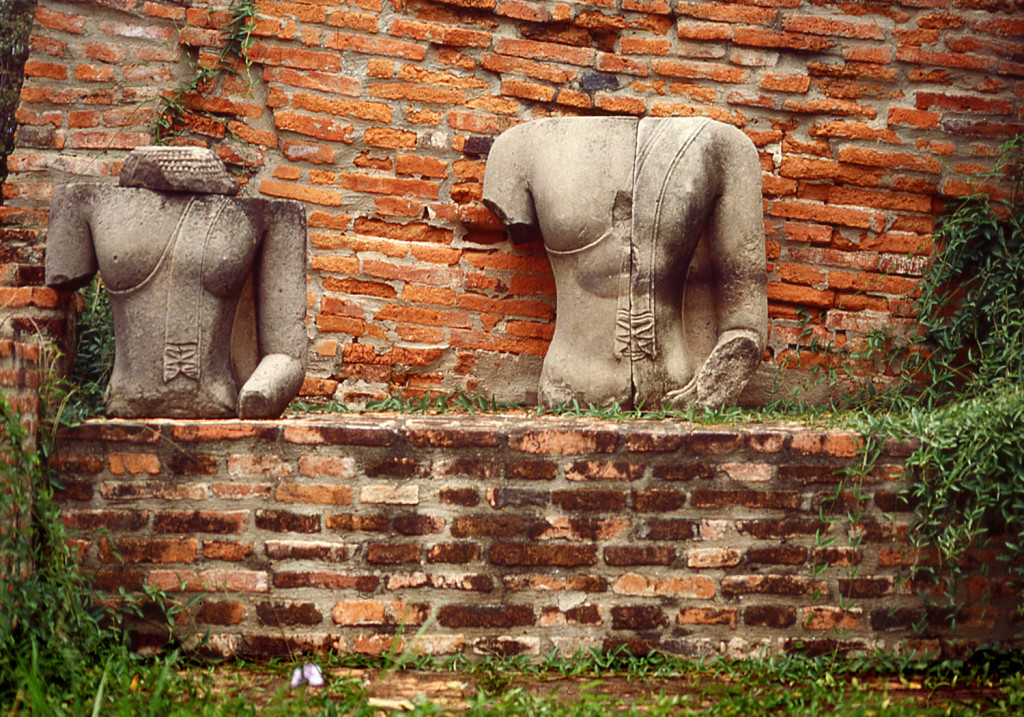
(181, 359)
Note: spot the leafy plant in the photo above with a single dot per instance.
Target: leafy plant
(63, 648)
(47, 617)
(93, 358)
(971, 305)
(963, 387)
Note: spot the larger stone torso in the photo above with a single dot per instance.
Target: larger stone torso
(621, 222)
(174, 266)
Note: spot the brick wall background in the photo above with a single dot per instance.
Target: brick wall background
(20, 370)
(516, 535)
(379, 115)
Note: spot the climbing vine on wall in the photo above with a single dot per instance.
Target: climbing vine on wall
(236, 35)
(963, 391)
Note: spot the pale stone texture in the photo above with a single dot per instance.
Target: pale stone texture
(207, 290)
(655, 233)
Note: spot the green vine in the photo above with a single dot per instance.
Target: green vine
(237, 39)
(93, 359)
(48, 618)
(962, 393)
(63, 644)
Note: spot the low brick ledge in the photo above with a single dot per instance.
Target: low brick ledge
(509, 534)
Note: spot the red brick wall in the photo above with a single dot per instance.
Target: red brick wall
(516, 534)
(379, 115)
(19, 382)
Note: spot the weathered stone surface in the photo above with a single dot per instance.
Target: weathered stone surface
(207, 290)
(192, 170)
(623, 205)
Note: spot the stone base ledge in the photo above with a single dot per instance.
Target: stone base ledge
(510, 534)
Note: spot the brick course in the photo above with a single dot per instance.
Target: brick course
(21, 367)
(379, 116)
(501, 557)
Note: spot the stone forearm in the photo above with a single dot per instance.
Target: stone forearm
(729, 366)
(271, 386)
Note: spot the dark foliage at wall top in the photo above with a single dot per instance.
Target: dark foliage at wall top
(15, 25)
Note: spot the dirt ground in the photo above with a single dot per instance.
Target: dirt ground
(401, 689)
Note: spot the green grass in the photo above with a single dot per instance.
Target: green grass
(461, 402)
(585, 684)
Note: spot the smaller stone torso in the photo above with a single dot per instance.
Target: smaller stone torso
(178, 253)
(174, 270)
(622, 205)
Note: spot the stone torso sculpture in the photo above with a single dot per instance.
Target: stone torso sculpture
(175, 249)
(622, 204)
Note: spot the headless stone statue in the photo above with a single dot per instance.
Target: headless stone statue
(182, 258)
(655, 233)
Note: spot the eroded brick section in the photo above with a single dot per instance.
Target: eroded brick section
(564, 442)
(500, 498)
(471, 468)
(352, 522)
(418, 524)
(116, 521)
(790, 527)
(453, 553)
(638, 617)
(465, 497)
(783, 500)
(450, 437)
(308, 550)
(351, 435)
(325, 580)
(658, 500)
(622, 555)
(213, 579)
(288, 614)
(529, 555)
(474, 616)
(390, 494)
(707, 616)
(669, 529)
(603, 471)
(773, 585)
(531, 470)
(587, 500)
(234, 551)
(133, 463)
(148, 550)
(683, 471)
(283, 521)
(221, 612)
(326, 494)
(774, 616)
(392, 554)
(488, 526)
(399, 467)
(192, 464)
(777, 555)
(200, 521)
